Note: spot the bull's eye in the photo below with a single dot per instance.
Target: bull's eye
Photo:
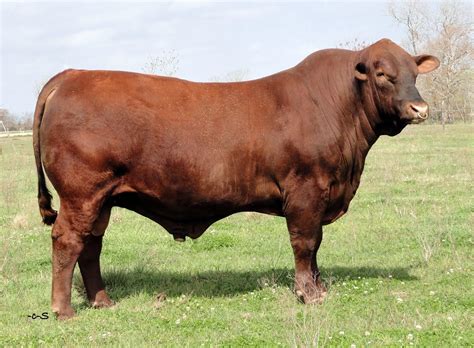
(386, 78)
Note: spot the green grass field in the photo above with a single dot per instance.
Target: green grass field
(399, 266)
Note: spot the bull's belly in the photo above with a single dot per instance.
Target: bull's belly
(190, 219)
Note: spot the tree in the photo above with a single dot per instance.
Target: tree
(413, 15)
(25, 121)
(8, 120)
(454, 48)
(232, 76)
(167, 63)
(354, 45)
(444, 31)
(13, 122)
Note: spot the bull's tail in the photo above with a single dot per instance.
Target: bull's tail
(44, 196)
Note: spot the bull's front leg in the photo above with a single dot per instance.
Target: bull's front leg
(305, 243)
(304, 225)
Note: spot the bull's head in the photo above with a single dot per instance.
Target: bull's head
(387, 75)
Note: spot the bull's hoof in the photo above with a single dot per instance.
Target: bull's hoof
(64, 314)
(103, 304)
(178, 238)
(316, 298)
(312, 295)
(102, 300)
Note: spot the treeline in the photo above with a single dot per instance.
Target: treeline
(13, 122)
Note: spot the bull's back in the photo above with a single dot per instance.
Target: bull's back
(211, 114)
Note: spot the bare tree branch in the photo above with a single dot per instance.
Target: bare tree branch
(232, 76)
(167, 64)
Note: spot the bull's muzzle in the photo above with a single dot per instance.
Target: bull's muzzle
(417, 111)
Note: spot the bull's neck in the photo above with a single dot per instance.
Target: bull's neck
(329, 78)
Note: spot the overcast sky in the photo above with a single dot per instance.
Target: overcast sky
(40, 39)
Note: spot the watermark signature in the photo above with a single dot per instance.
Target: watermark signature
(42, 316)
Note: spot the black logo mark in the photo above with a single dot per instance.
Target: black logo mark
(43, 316)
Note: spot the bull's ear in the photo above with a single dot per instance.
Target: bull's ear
(361, 72)
(426, 63)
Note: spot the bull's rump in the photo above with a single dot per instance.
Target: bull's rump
(181, 149)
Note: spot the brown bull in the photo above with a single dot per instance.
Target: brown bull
(187, 154)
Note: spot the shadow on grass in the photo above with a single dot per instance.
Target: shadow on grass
(122, 284)
(338, 273)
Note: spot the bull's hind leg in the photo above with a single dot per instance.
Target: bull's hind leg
(71, 235)
(68, 235)
(89, 263)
